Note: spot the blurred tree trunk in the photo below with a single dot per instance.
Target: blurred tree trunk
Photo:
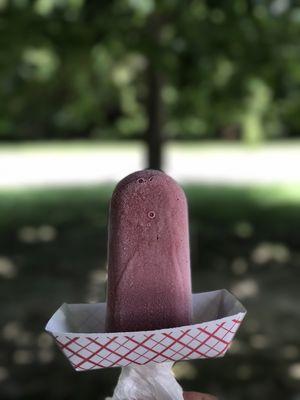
(155, 111)
(155, 107)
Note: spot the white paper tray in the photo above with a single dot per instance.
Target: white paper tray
(79, 332)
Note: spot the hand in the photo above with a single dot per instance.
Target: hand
(197, 396)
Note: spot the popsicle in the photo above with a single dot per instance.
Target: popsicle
(149, 279)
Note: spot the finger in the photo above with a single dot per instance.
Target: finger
(197, 396)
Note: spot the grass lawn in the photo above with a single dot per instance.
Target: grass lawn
(270, 205)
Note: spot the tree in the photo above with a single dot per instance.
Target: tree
(143, 69)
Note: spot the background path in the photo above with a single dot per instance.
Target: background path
(86, 163)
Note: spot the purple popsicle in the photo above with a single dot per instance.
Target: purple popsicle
(149, 279)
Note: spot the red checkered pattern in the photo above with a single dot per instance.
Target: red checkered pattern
(94, 351)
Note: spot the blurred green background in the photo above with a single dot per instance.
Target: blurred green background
(75, 68)
(209, 92)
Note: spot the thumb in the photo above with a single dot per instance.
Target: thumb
(197, 396)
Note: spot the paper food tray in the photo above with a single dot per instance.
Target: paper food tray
(79, 332)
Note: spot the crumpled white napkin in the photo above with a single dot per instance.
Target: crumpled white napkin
(153, 381)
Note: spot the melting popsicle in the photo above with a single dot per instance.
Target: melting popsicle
(149, 279)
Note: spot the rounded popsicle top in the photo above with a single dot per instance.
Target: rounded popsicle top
(146, 177)
(144, 185)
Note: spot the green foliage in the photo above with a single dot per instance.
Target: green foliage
(74, 68)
